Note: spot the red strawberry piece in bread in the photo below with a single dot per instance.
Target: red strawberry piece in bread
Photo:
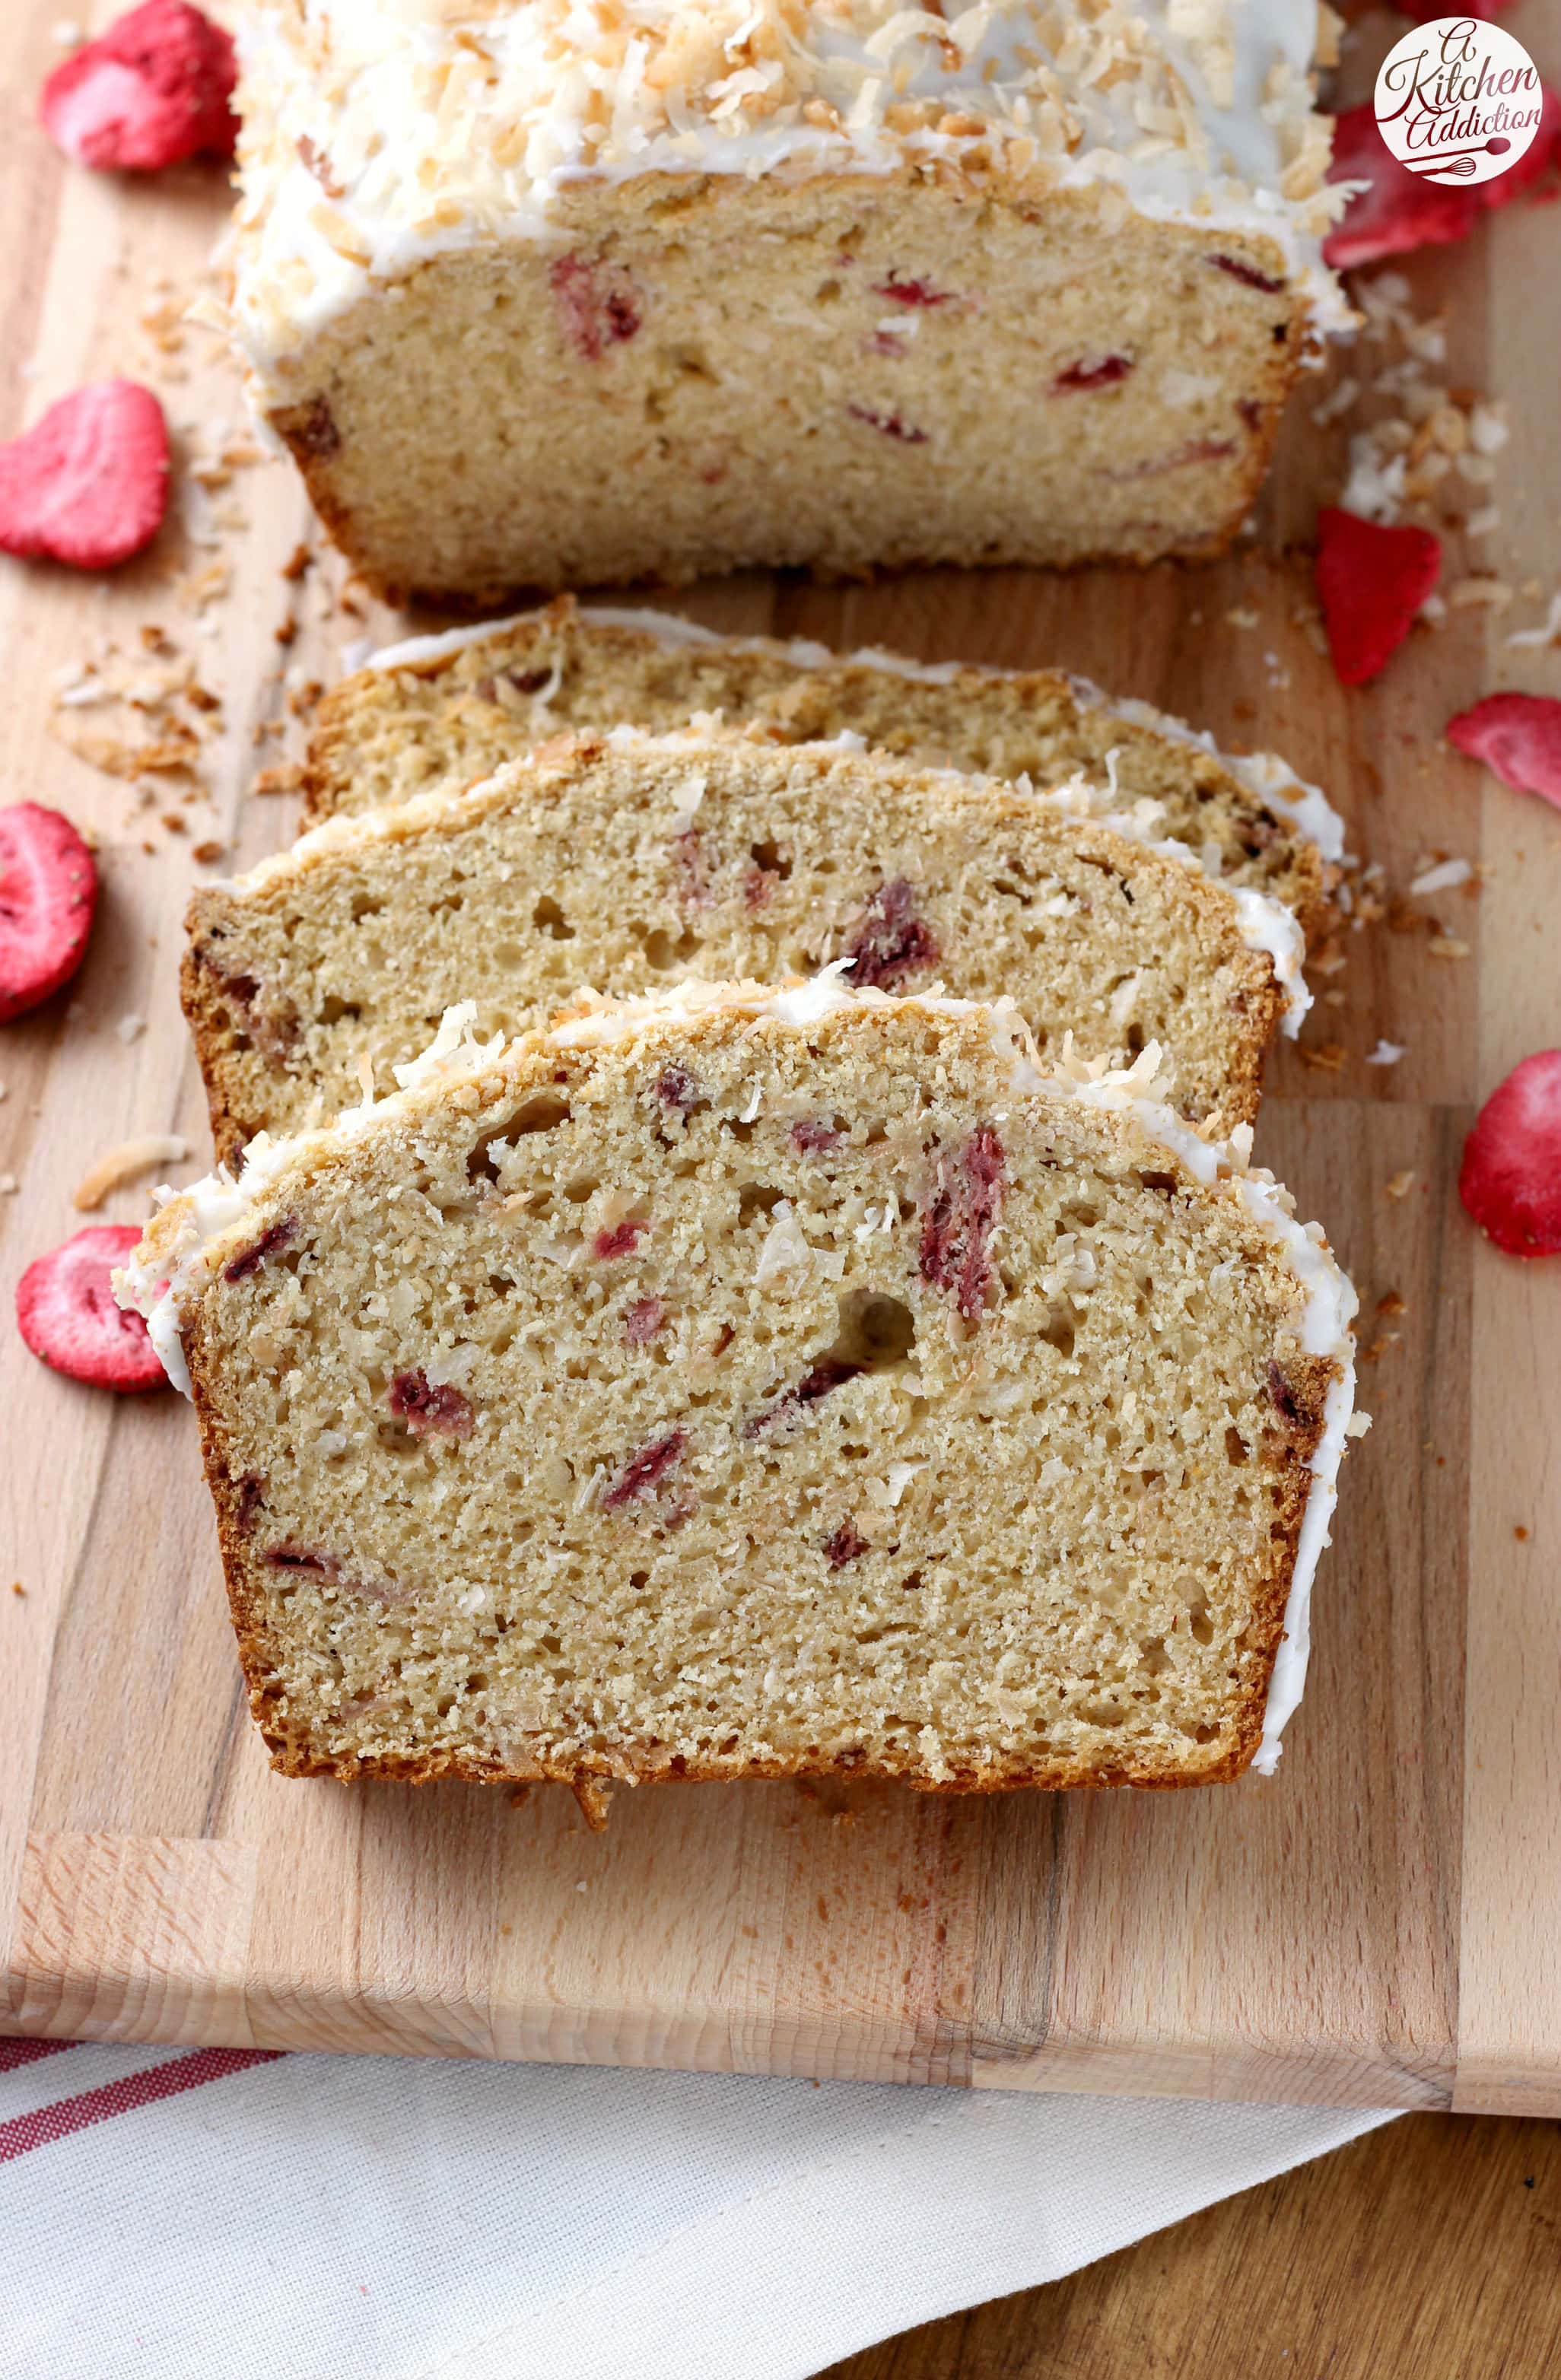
(1372, 579)
(1398, 210)
(48, 892)
(88, 483)
(67, 1314)
(1510, 1181)
(154, 89)
(1518, 738)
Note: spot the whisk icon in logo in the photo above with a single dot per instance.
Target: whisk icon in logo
(1458, 100)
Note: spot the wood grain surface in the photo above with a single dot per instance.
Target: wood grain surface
(1377, 1924)
(1429, 2247)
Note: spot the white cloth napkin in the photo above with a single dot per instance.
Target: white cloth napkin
(184, 2213)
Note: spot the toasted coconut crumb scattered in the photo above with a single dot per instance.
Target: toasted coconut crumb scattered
(1480, 589)
(130, 1028)
(1444, 877)
(285, 777)
(1400, 1184)
(1447, 946)
(123, 1163)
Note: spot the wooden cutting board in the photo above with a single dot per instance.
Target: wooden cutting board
(1380, 1923)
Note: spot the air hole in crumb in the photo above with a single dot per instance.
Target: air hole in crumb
(1164, 1182)
(662, 951)
(1204, 1734)
(1059, 1333)
(333, 1011)
(770, 857)
(550, 918)
(757, 1198)
(543, 1115)
(1235, 1446)
(876, 1332)
(582, 1187)
(363, 906)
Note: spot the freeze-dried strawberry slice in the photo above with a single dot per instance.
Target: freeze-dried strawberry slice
(1399, 210)
(1537, 163)
(1518, 738)
(48, 892)
(1372, 579)
(88, 483)
(152, 89)
(1510, 1180)
(67, 1314)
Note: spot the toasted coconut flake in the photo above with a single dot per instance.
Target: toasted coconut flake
(123, 1164)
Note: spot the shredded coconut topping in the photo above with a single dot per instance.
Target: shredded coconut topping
(380, 132)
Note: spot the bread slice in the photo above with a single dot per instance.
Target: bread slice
(757, 1384)
(440, 712)
(630, 860)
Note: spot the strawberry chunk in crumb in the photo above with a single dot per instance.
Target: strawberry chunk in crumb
(153, 89)
(1510, 1181)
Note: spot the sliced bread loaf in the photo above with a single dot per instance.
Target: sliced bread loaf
(753, 1384)
(630, 860)
(439, 712)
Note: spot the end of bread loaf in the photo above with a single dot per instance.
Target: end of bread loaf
(752, 1382)
(1009, 326)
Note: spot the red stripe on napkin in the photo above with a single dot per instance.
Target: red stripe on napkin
(22, 2053)
(67, 2116)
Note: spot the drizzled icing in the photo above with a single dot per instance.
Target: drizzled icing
(161, 1280)
(378, 133)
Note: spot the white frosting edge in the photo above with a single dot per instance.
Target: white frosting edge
(311, 277)
(218, 1201)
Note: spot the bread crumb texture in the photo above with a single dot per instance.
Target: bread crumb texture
(459, 707)
(719, 1396)
(629, 863)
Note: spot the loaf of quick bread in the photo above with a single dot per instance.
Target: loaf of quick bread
(559, 293)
